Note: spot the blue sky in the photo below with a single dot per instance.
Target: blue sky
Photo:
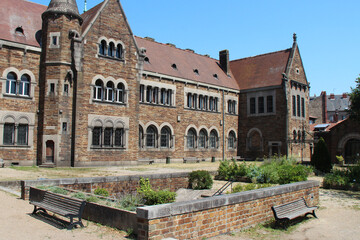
(328, 31)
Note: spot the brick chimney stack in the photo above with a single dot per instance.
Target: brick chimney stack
(224, 61)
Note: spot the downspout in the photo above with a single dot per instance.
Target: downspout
(223, 125)
(285, 80)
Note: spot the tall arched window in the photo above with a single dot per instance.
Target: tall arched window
(111, 50)
(119, 137)
(102, 47)
(98, 89)
(120, 93)
(119, 51)
(232, 140)
(109, 93)
(213, 139)
(202, 138)
(11, 83)
(141, 137)
(151, 137)
(24, 86)
(165, 137)
(191, 138)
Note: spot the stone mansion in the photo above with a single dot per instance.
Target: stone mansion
(83, 90)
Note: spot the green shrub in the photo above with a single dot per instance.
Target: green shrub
(92, 199)
(321, 158)
(58, 190)
(200, 179)
(130, 202)
(101, 192)
(231, 170)
(250, 186)
(354, 173)
(152, 197)
(79, 195)
(292, 173)
(336, 180)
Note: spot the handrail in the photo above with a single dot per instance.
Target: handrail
(224, 187)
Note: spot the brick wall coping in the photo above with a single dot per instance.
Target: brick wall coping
(171, 209)
(63, 181)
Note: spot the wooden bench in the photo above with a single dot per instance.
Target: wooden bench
(59, 204)
(238, 158)
(191, 159)
(146, 160)
(292, 210)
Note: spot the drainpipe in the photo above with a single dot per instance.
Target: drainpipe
(223, 125)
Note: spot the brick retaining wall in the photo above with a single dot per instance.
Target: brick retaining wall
(218, 215)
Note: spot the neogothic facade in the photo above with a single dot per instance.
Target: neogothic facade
(82, 90)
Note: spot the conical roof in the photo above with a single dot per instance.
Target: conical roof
(66, 7)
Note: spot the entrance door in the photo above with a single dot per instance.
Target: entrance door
(50, 151)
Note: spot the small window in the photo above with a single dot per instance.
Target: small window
(165, 137)
(111, 49)
(252, 106)
(202, 139)
(102, 47)
(147, 60)
(54, 40)
(215, 76)
(191, 138)
(151, 137)
(66, 89)
(261, 105)
(232, 140)
(9, 133)
(174, 66)
(11, 83)
(19, 30)
(52, 87)
(213, 139)
(64, 127)
(22, 134)
(120, 51)
(196, 71)
(269, 104)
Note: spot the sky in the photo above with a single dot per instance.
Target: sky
(328, 31)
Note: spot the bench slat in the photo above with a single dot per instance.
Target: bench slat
(293, 210)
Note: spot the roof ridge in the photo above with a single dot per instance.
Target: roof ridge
(260, 55)
(181, 49)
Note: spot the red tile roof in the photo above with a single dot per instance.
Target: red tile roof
(20, 13)
(89, 15)
(260, 71)
(162, 57)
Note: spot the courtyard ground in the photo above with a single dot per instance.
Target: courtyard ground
(339, 212)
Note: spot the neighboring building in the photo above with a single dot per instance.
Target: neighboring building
(342, 139)
(329, 108)
(82, 90)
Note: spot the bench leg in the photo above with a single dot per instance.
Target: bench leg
(312, 213)
(38, 209)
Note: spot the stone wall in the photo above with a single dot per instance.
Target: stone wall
(210, 217)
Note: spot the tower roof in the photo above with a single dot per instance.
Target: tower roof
(63, 7)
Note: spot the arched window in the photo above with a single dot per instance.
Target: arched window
(108, 135)
(119, 137)
(9, 134)
(24, 86)
(165, 137)
(201, 102)
(141, 137)
(191, 138)
(119, 51)
(202, 138)
(189, 100)
(98, 89)
(102, 47)
(109, 93)
(96, 136)
(111, 50)
(11, 83)
(213, 139)
(151, 137)
(120, 93)
(294, 135)
(163, 96)
(232, 140)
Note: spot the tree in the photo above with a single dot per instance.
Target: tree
(355, 101)
(321, 158)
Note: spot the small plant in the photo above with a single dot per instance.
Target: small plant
(200, 179)
(58, 190)
(340, 160)
(79, 195)
(152, 197)
(130, 202)
(92, 199)
(101, 192)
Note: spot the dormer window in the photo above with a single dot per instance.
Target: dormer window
(19, 30)
(146, 59)
(174, 66)
(215, 76)
(196, 71)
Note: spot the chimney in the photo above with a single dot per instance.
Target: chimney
(344, 95)
(332, 96)
(224, 61)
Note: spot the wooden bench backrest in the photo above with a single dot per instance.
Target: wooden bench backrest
(62, 202)
(290, 207)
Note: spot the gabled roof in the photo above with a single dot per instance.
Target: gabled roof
(89, 16)
(24, 14)
(262, 70)
(184, 64)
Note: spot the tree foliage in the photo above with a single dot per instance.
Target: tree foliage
(321, 158)
(355, 101)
